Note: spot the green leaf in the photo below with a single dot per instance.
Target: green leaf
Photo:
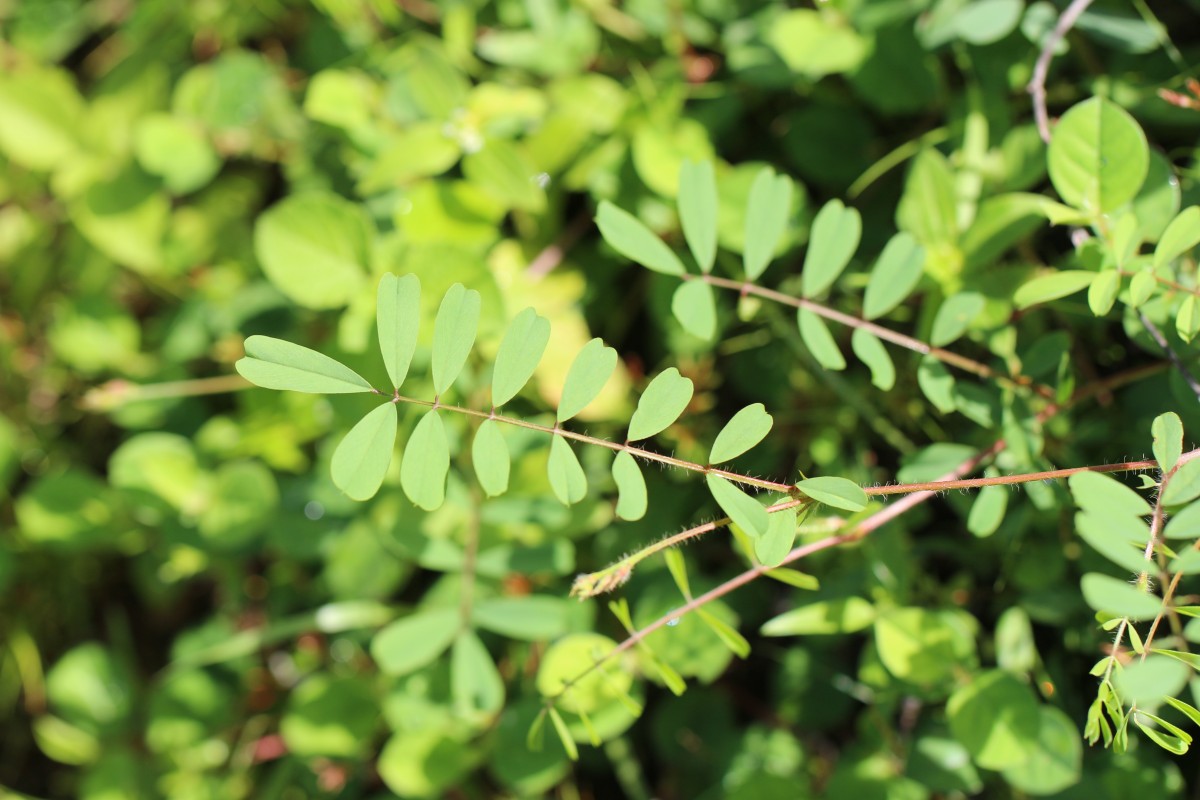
(489, 455)
(695, 306)
(410, 643)
(1106, 496)
(426, 462)
(1115, 596)
(1176, 745)
(747, 428)
(1016, 650)
(746, 512)
(835, 492)
(767, 212)
(1055, 763)
(503, 170)
(698, 211)
(928, 209)
(363, 457)
(331, 717)
(771, 549)
(629, 237)
(564, 735)
(796, 578)
(475, 684)
(1146, 682)
(1141, 287)
(1187, 322)
(590, 370)
(1098, 156)
(987, 21)
(1045, 288)
(954, 317)
(819, 340)
(660, 404)
(176, 150)
(815, 44)
(631, 487)
(987, 512)
(924, 647)
(871, 352)
(677, 566)
(454, 334)
(822, 618)
(1102, 294)
(895, 276)
(937, 384)
(1119, 538)
(398, 317)
(725, 632)
(1184, 485)
(997, 718)
(1180, 236)
(315, 248)
(835, 235)
(520, 351)
(276, 364)
(566, 475)
(533, 618)
(42, 112)
(1167, 430)
(1184, 524)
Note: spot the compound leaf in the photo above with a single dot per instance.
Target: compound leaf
(695, 306)
(520, 351)
(454, 334)
(771, 549)
(588, 373)
(698, 211)
(1098, 157)
(836, 492)
(819, 340)
(398, 317)
(767, 211)
(631, 487)
(747, 428)
(835, 234)
(276, 364)
(895, 276)
(566, 475)
(871, 352)
(746, 512)
(489, 455)
(1168, 440)
(660, 405)
(426, 462)
(629, 237)
(1180, 236)
(363, 456)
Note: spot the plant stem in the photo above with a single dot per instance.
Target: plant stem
(1037, 85)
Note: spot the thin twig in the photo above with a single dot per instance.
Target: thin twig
(1037, 85)
(1158, 337)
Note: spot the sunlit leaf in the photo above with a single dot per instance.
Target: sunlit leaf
(475, 684)
(426, 462)
(767, 212)
(895, 276)
(1187, 321)
(520, 351)
(834, 238)
(1045, 288)
(454, 334)
(489, 456)
(1117, 597)
(664, 399)
(1184, 485)
(835, 492)
(824, 617)
(564, 735)
(566, 475)
(629, 237)
(362, 459)
(398, 318)
(1168, 440)
(590, 370)
(747, 428)
(771, 549)
(1098, 156)
(698, 211)
(746, 512)
(276, 364)
(1180, 236)
(631, 487)
(1102, 294)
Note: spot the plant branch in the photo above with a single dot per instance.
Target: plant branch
(1162, 342)
(887, 334)
(1037, 85)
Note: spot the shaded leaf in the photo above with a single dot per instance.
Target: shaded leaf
(629, 237)
(362, 458)
(534, 618)
(746, 512)
(824, 617)
(489, 455)
(1187, 321)
(1184, 485)
(1102, 294)
(767, 211)
(590, 370)
(1115, 596)
(454, 334)
(398, 318)
(414, 641)
(834, 238)
(1045, 288)
(871, 352)
(895, 276)
(520, 351)
(698, 211)
(426, 462)
(694, 304)
(1180, 236)
(725, 632)
(747, 428)
(664, 399)
(1168, 440)
(566, 475)
(276, 364)
(1098, 156)
(819, 340)
(835, 492)
(564, 735)
(771, 549)
(954, 317)
(475, 684)
(631, 487)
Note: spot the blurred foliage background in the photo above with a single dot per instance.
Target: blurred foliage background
(188, 603)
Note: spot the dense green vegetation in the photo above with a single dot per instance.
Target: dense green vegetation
(550, 289)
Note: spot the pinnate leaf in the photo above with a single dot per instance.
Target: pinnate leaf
(836, 492)
(1184, 485)
(1168, 440)
(819, 340)
(695, 306)
(276, 364)
(590, 370)
(895, 276)
(631, 487)
(534, 618)
(835, 234)
(698, 211)
(454, 334)
(746, 512)
(361, 459)
(567, 478)
(426, 463)
(771, 549)
(519, 354)
(629, 237)
(660, 405)
(767, 211)
(747, 428)
(398, 317)
(489, 455)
